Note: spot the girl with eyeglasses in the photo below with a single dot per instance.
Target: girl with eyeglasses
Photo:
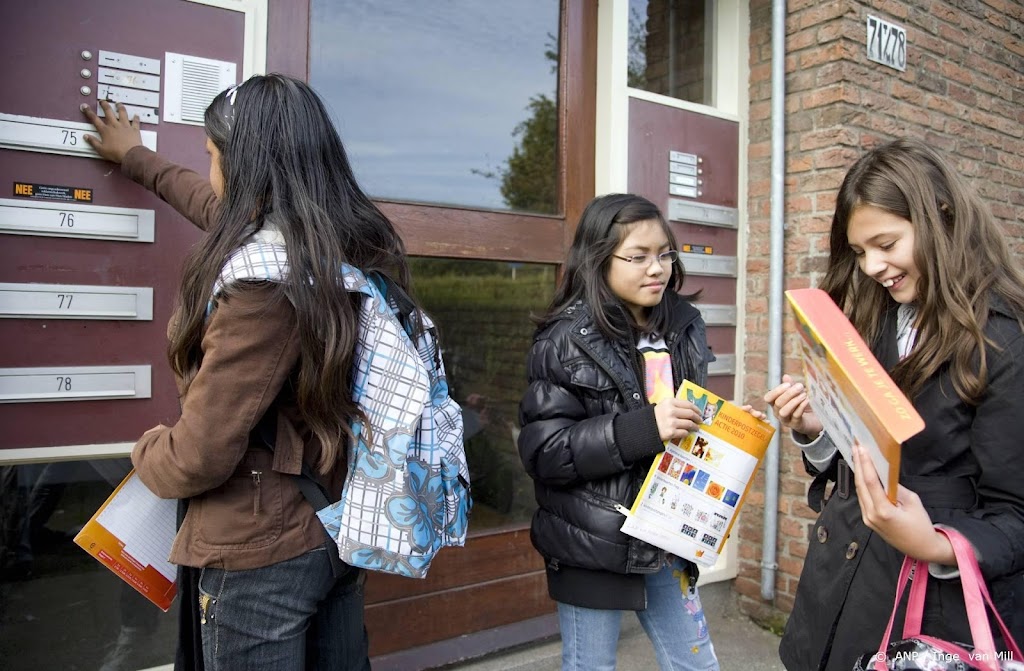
(261, 343)
(615, 344)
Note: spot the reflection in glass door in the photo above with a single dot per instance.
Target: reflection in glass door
(482, 310)
(452, 102)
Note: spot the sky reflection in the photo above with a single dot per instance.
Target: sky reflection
(423, 94)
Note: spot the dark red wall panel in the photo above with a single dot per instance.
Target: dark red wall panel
(43, 42)
(655, 129)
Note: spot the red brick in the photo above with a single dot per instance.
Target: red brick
(829, 137)
(791, 528)
(800, 40)
(747, 587)
(841, 157)
(910, 94)
(824, 96)
(798, 163)
(835, 51)
(784, 602)
(790, 566)
(822, 12)
(996, 123)
(893, 8)
(924, 41)
(798, 204)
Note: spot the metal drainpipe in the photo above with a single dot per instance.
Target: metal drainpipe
(775, 294)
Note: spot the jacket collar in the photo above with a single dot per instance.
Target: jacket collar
(886, 347)
(682, 314)
(997, 304)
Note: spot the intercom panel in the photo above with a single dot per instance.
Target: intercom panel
(90, 262)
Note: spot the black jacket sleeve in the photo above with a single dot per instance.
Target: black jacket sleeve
(560, 445)
(996, 527)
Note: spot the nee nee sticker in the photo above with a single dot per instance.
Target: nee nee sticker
(32, 191)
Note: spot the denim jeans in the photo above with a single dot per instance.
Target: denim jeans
(290, 615)
(674, 621)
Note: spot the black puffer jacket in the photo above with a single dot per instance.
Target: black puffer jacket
(588, 438)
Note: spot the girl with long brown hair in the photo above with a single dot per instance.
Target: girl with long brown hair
(262, 344)
(924, 273)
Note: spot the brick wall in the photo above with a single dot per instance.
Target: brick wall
(962, 92)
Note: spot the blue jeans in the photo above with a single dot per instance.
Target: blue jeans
(674, 621)
(290, 615)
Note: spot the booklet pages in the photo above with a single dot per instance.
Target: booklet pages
(694, 490)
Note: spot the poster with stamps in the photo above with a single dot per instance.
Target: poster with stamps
(696, 487)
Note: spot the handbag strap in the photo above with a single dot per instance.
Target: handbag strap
(901, 584)
(976, 597)
(976, 591)
(915, 602)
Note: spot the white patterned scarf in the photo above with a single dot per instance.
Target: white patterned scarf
(906, 334)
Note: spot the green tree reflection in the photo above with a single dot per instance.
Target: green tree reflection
(529, 176)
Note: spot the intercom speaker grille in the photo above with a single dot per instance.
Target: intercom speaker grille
(200, 85)
(192, 82)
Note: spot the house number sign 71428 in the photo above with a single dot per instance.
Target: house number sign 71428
(887, 43)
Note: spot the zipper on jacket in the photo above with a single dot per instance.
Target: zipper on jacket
(256, 485)
(596, 500)
(641, 371)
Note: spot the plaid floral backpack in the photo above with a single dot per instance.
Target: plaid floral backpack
(406, 494)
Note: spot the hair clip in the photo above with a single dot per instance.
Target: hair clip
(229, 113)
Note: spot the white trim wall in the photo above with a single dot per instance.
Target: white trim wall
(612, 122)
(254, 59)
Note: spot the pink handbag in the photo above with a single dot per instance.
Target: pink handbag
(926, 653)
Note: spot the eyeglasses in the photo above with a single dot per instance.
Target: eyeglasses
(665, 258)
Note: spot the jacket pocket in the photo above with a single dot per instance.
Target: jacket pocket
(588, 375)
(243, 513)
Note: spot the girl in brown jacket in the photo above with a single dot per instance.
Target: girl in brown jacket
(261, 344)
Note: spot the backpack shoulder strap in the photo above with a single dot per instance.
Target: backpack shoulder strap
(309, 485)
(257, 260)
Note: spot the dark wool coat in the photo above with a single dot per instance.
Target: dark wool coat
(588, 438)
(968, 468)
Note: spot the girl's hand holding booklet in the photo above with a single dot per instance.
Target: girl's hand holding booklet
(695, 488)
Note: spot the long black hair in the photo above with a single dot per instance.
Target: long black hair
(283, 160)
(603, 226)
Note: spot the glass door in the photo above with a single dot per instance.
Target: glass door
(472, 125)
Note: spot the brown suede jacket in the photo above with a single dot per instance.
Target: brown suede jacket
(245, 509)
